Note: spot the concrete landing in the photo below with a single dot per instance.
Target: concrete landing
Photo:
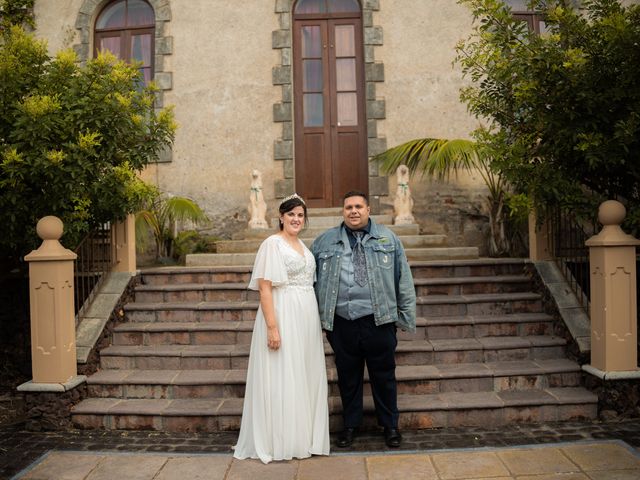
(569, 461)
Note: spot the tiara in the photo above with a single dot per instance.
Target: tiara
(291, 197)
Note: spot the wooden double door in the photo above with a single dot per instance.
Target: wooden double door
(329, 110)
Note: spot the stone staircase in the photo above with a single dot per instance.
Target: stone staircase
(484, 353)
(418, 247)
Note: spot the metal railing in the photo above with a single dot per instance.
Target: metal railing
(567, 245)
(94, 262)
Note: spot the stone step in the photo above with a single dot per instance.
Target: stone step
(441, 253)
(324, 212)
(191, 311)
(239, 332)
(227, 292)
(413, 254)
(480, 326)
(478, 304)
(209, 275)
(468, 267)
(195, 292)
(251, 245)
(419, 241)
(427, 306)
(483, 354)
(313, 232)
(408, 352)
(471, 285)
(420, 379)
(451, 409)
(420, 269)
(328, 221)
(183, 333)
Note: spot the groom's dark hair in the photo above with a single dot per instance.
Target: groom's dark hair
(356, 193)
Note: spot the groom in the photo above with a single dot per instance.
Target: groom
(365, 290)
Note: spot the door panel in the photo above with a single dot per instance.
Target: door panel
(329, 110)
(313, 170)
(345, 177)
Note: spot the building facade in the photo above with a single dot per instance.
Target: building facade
(305, 91)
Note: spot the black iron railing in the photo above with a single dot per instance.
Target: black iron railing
(567, 245)
(92, 265)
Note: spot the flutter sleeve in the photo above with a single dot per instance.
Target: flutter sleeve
(269, 265)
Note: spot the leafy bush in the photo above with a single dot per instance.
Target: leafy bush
(72, 139)
(561, 109)
(192, 241)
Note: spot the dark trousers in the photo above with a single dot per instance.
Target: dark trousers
(355, 342)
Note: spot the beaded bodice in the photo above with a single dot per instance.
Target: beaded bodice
(300, 268)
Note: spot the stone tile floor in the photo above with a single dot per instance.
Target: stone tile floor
(585, 460)
(570, 451)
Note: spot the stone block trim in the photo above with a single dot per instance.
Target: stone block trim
(283, 6)
(164, 80)
(163, 45)
(282, 75)
(281, 39)
(287, 131)
(284, 187)
(374, 72)
(283, 149)
(371, 5)
(377, 145)
(376, 109)
(373, 35)
(282, 112)
(287, 93)
(287, 166)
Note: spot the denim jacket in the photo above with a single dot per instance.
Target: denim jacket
(392, 291)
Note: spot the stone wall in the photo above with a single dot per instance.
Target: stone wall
(52, 411)
(225, 67)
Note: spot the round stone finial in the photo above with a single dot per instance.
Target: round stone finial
(49, 228)
(611, 212)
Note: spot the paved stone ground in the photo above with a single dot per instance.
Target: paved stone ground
(19, 449)
(591, 460)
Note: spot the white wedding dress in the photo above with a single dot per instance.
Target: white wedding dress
(285, 413)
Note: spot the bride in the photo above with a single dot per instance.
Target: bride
(285, 413)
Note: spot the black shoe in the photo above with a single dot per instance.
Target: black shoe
(392, 437)
(346, 438)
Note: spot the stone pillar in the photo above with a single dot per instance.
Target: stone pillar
(612, 264)
(538, 239)
(123, 241)
(53, 333)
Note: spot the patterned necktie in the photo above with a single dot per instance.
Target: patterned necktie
(359, 261)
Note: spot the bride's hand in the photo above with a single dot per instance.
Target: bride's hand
(273, 338)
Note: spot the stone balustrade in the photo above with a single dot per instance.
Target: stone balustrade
(51, 292)
(612, 266)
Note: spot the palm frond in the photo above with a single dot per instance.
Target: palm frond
(431, 156)
(146, 220)
(180, 209)
(161, 218)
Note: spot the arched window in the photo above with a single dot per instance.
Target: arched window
(126, 28)
(326, 6)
